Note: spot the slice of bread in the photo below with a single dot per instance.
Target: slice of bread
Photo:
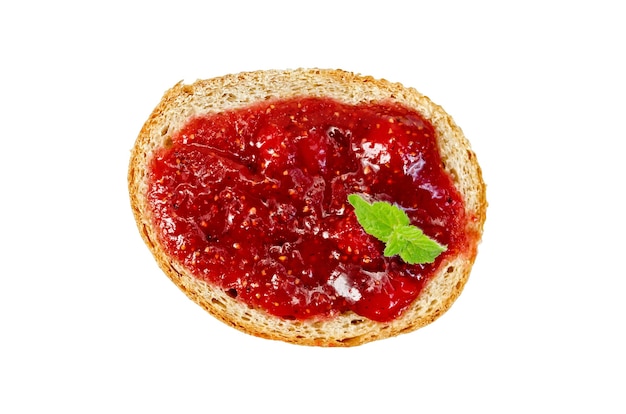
(239, 90)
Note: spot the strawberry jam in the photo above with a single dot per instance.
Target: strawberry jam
(254, 201)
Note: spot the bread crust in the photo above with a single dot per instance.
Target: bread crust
(239, 90)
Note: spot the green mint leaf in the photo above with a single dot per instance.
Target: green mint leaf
(391, 225)
(365, 215)
(417, 247)
(395, 245)
(378, 219)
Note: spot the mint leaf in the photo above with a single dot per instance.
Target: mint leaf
(391, 225)
(378, 219)
(394, 245)
(389, 216)
(417, 247)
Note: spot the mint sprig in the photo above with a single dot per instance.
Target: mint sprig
(391, 225)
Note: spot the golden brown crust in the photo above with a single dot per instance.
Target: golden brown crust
(233, 91)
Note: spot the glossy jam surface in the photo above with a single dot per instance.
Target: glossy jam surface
(255, 201)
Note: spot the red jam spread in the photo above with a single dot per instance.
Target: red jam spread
(255, 201)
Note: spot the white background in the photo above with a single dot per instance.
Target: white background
(88, 323)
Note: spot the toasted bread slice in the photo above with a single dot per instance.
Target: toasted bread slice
(184, 101)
